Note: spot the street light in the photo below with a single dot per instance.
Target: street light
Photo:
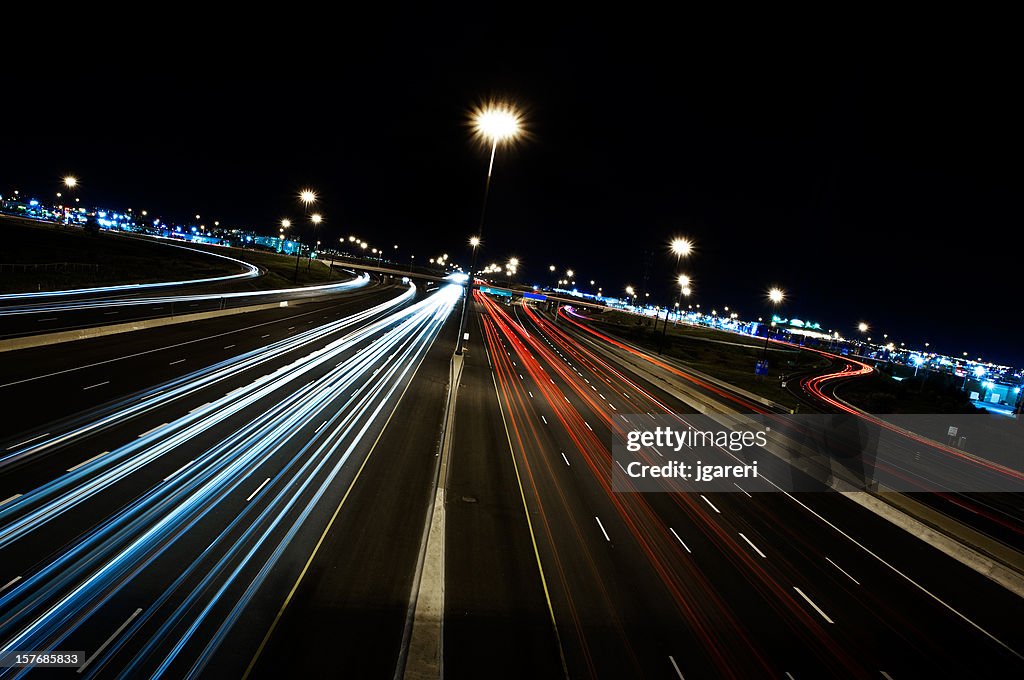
(680, 247)
(71, 182)
(493, 123)
(316, 219)
(775, 296)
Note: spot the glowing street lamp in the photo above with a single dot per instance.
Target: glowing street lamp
(680, 247)
(631, 292)
(71, 182)
(493, 123)
(775, 296)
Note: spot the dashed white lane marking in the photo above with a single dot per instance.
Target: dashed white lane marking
(811, 602)
(711, 504)
(676, 667)
(756, 549)
(680, 540)
(179, 469)
(602, 529)
(565, 459)
(228, 346)
(176, 362)
(544, 419)
(257, 489)
(741, 489)
(9, 583)
(100, 384)
(153, 430)
(86, 462)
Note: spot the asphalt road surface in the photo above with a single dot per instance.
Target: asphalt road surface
(163, 531)
(755, 583)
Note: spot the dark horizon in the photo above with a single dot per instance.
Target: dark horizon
(870, 186)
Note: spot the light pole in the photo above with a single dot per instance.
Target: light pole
(631, 292)
(775, 296)
(863, 328)
(681, 247)
(306, 197)
(316, 219)
(71, 182)
(494, 123)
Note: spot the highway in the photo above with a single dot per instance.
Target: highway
(245, 496)
(756, 583)
(21, 319)
(163, 528)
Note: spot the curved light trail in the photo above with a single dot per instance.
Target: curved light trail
(297, 426)
(251, 271)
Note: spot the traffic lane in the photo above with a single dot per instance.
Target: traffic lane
(56, 358)
(629, 515)
(495, 605)
(937, 621)
(347, 614)
(400, 362)
(53, 463)
(589, 606)
(49, 383)
(65, 316)
(736, 599)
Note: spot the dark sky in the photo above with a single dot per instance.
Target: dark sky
(874, 177)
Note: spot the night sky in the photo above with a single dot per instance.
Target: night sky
(874, 178)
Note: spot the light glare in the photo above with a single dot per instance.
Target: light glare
(497, 122)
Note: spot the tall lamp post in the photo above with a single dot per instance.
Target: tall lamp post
(775, 296)
(493, 124)
(863, 328)
(316, 219)
(307, 197)
(681, 247)
(71, 182)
